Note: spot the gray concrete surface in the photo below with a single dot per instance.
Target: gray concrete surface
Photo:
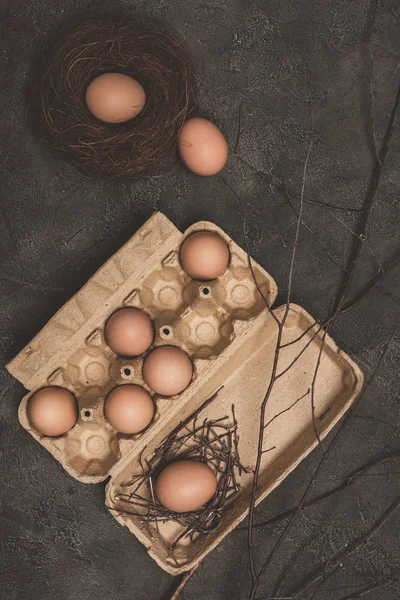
(58, 541)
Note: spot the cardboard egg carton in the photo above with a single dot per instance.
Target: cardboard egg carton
(70, 351)
(230, 336)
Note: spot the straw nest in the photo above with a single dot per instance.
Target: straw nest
(141, 48)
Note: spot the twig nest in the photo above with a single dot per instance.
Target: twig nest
(142, 141)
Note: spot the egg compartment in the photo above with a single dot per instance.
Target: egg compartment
(91, 447)
(244, 374)
(200, 316)
(70, 351)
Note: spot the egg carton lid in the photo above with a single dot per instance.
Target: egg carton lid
(242, 380)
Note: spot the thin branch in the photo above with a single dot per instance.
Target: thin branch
(299, 219)
(186, 578)
(258, 462)
(286, 369)
(316, 237)
(239, 129)
(192, 417)
(363, 591)
(268, 450)
(324, 457)
(325, 579)
(339, 300)
(268, 392)
(286, 409)
(370, 90)
(350, 549)
(348, 482)
(361, 238)
(368, 287)
(303, 552)
(257, 578)
(360, 230)
(283, 188)
(360, 295)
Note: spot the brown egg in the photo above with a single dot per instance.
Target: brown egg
(52, 411)
(202, 147)
(115, 98)
(167, 370)
(204, 255)
(185, 485)
(129, 408)
(129, 332)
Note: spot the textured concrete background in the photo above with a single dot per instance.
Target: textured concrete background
(58, 541)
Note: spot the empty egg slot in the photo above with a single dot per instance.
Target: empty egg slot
(242, 298)
(88, 367)
(207, 332)
(163, 291)
(91, 448)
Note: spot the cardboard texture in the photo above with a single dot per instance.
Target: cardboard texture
(230, 336)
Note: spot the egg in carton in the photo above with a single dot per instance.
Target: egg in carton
(224, 327)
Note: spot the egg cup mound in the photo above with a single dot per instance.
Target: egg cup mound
(230, 337)
(135, 46)
(91, 449)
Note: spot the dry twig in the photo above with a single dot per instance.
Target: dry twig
(186, 578)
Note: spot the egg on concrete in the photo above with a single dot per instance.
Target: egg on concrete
(202, 147)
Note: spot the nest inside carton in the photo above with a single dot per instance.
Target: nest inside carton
(213, 442)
